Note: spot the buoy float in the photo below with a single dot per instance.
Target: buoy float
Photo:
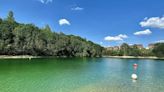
(134, 76)
(135, 65)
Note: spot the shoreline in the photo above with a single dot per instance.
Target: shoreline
(135, 57)
(27, 57)
(19, 57)
(121, 57)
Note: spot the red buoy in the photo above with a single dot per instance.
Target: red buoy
(135, 66)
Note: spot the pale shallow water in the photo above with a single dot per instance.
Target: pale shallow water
(81, 75)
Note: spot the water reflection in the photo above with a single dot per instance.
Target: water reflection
(134, 81)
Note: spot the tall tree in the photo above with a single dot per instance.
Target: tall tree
(159, 50)
(10, 17)
(125, 49)
(27, 39)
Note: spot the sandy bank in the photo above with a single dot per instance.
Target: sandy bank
(135, 57)
(18, 57)
(30, 57)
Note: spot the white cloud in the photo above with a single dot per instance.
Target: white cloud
(110, 38)
(120, 37)
(77, 8)
(160, 41)
(64, 22)
(153, 22)
(145, 32)
(46, 1)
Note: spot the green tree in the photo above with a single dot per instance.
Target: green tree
(159, 50)
(135, 51)
(27, 39)
(1, 20)
(10, 17)
(125, 49)
(6, 36)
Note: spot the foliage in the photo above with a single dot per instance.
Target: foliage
(27, 39)
(126, 50)
(159, 50)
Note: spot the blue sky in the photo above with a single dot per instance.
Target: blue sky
(106, 22)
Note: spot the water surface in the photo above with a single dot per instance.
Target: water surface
(81, 75)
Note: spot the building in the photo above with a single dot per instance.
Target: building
(139, 46)
(151, 46)
(116, 48)
(113, 48)
(109, 48)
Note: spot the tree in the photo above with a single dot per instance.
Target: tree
(134, 51)
(6, 36)
(1, 20)
(125, 49)
(10, 17)
(159, 50)
(27, 39)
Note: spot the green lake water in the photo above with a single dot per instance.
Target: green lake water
(81, 75)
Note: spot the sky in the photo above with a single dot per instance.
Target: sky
(105, 22)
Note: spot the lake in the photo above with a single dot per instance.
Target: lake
(81, 75)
